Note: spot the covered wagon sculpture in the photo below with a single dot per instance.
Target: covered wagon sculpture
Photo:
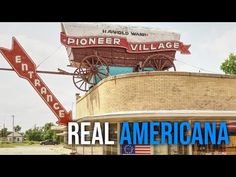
(98, 50)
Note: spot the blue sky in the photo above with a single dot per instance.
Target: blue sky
(211, 44)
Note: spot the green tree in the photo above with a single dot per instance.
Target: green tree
(17, 128)
(48, 126)
(229, 65)
(48, 133)
(35, 134)
(3, 132)
(39, 134)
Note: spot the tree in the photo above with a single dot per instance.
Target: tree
(48, 126)
(3, 132)
(17, 128)
(39, 134)
(229, 65)
(48, 133)
(35, 134)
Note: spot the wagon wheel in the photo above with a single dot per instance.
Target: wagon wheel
(159, 62)
(79, 82)
(92, 70)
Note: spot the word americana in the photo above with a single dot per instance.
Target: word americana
(155, 133)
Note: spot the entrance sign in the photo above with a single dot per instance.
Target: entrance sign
(24, 66)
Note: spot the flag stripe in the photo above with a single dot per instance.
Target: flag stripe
(142, 149)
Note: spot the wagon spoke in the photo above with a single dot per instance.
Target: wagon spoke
(79, 81)
(81, 84)
(102, 73)
(153, 64)
(85, 86)
(90, 76)
(99, 76)
(88, 63)
(156, 62)
(164, 64)
(94, 80)
(92, 61)
(102, 69)
(159, 64)
(97, 62)
(81, 71)
(87, 69)
(101, 63)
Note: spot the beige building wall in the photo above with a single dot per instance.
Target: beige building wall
(159, 91)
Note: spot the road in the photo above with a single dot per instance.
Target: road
(35, 150)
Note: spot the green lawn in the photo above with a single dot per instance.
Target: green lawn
(5, 145)
(11, 145)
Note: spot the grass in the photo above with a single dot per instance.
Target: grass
(27, 143)
(5, 145)
(12, 145)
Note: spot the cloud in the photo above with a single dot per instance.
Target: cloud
(224, 44)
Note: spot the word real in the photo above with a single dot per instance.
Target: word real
(155, 133)
(83, 133)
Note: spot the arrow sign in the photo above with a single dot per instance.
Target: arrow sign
(24, 66)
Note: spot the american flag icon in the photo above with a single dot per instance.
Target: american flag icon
(136, 149)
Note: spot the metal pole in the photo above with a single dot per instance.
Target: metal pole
(91, 138)
(118, 137)
(1, 134)
(13, 128)
(61, 72)
(72, 106)
(190, 146)
(4, 129)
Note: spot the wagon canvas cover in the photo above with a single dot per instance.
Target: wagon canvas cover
(133, 39)
(117, 41)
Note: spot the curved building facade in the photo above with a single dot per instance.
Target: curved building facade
(156, 96)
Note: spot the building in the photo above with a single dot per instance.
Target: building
(61, 131)
(17, 137)
(130, 77)
(158, 96)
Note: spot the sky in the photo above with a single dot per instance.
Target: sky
(211, 43)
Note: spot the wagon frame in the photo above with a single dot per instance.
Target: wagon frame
(96, 66)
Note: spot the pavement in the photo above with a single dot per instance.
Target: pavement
(88, 150)
(36, 150)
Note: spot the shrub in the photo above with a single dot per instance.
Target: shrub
(30, 142)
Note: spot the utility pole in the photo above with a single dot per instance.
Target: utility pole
(13, 128)
(1, 134)
(4, 129)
